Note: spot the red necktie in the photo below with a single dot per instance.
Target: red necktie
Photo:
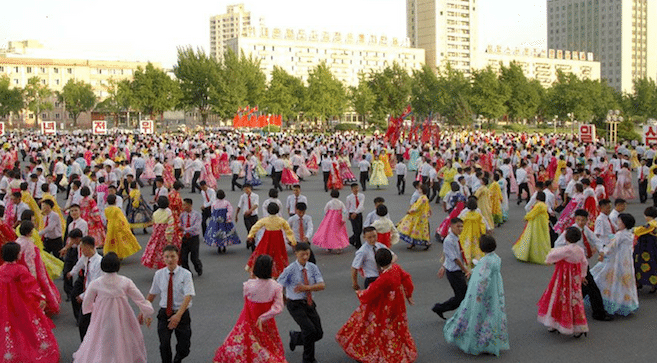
(188, 223)
(613, 230)
(170, 295)
(207, 198)
(47, 218)
(248, 198)
(34, 192)
(357, 202)
(157, 195)
(587, 245)
(301, 231)
(309, 296)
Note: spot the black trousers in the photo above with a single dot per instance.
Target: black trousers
(401, 184)
(234, 182)
(138, 173)
(70, 260)
(311, 327)
(643, 191)
(364, 176)
(197, 174)
(83, 324)
(53, 245)
(591, 289)
(326, 178)
(459, 285)
(177, 173)
(654, 198)
(276, 178)
(183, 335)
(205, 213)
(433, 192)
(59, 180)
(508, 187)
(368, 281)
(521, 187)
(250, 221)
(190, 247)
(357, 227)
(425, 180)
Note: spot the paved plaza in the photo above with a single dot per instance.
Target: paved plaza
(219, 300)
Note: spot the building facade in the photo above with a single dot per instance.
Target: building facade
(22, 61)
(621, 33)
(543, 65)
(298, 52)
(234, 23)
(446, 29)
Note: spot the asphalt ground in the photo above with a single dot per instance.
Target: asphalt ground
(218, 301)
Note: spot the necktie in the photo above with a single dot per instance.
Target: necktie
(613, 230)
(207, 198)
(170, 295)
(296, 201)
(35, 187)
(157, 195)
(47, 219)
(302, 235)
(86, 274)
(309, 296)
(188, 222)
(357, 202)
(248, 198)
(462, 254)
(587, 245)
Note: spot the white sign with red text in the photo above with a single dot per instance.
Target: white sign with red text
(146, 126)
(48, 127)
(99, 127)
(587, 133)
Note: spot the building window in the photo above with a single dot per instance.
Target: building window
(2, 69)
(57, 116)
(29, 69)
(69, 70)
(56, 70)
(16, 69)
(57, 82)
(16, 81)
(43, 81)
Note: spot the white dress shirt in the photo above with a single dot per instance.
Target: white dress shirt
(603, 228)
(182, 286)
(292, 200)
(93, 272)
(80, 224)
(209, 196)
(308, 227)
(351, 203)
(243, 204)
(52, 226)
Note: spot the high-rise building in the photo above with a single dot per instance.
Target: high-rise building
(622, 34)
(235, 22)
(446, 30)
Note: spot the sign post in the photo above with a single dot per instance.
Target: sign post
(99, 127)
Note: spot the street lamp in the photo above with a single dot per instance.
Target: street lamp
(613, 119)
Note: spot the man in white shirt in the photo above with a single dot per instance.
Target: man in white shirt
(642, 175)
(277, 171)
(52, 229)
(34, 187)
(158, 170)
(400, 171)
(90, 264)
(249, 204)
(521, 179)
(59, 170)
(235, 169)
(653, 185)
(197, 166)
(178, 164)
(355, 206)
(326, 165)
(364, 259)
(293, 199)
(364, 167)
(604, 228)
(619, 207)
(160, 190)
(209, 196)
(301, 224)
(425, 171)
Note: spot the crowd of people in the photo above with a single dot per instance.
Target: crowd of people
(116, 186)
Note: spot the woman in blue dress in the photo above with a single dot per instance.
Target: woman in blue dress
(479, 324)
(412, 159)
(221, 229)
(251, 174)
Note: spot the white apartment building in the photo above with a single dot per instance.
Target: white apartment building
(446, 30)
(621, 33)
(298, 52)
(235, 22)
(543, 65)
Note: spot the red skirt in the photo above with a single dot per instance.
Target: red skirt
(272, 244)
(384, 238)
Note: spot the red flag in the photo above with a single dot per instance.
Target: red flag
(406, 112)
(236, 121)
(255, 109)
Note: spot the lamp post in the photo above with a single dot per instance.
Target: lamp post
(613, 119)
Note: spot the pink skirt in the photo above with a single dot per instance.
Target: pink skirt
(332, 233)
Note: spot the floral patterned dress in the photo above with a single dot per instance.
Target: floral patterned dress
(414, 227)
(479, 325)
(91, 214)
(377, 332)
(175, 204)
(645, 254)
(162, 235)
(562, 307)
(221, 230)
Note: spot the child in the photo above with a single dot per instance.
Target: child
(119, 238)
(454, 267)
(332, 233)
(300, 279)
(162, 235)
(561, 308)
(534, 242)
(272, 242)
(22, 314)
(414, 227)
(386, 231)
(480, 324)
(615, 269)
(87, 269)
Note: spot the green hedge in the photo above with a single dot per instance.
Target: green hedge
(346, 127)
(271, 128)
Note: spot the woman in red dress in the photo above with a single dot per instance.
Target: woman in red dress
(335, 179)
(7, 234)
(377, 332)
(90, 213)
(272, 242)
(26, 332)
(176, 206)
(254, 337)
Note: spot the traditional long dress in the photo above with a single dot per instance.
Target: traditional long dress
(414, 226)
(207, 176)
(246, 343)
(54, 266)
(288, 177)
(221, 230)
(386, 231)
(561, 307)
(90, 213)
(332, 232)
(505, 199)
(378, 177)
(335, 179)
(272, 242)
(496, 203)
(26, 333)
(484, 203)
(645, 254)
(624, 188)
(30, 257)
(448, 178)
(251, 175)
(26, 197)
(473, 227)
(615, 275)
(457, 203)
(567, 216)
(224, 164)
(377, 332)
(119, 238)
(163, 230)
(7, 235)
(138, 213)
(533, 245)
(114, 334)
(412, 160)
(347, 176)
(386, 165)
(168, 176)
(591, 206)
(176, 206)
(479, 325)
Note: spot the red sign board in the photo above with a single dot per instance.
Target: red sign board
(587, 133)
(48, 127)
(146, 126)
(99, 127)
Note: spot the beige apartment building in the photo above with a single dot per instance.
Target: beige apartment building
(347, 55)
(234, 23)
(23, 60)
(621, 33)
(446, 29)
(543, 65)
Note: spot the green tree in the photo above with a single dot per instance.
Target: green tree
(325, 94)
(153, 91)
(37, 97)
(78, 97)
(11, 99)
(392, 91)
(643, 101)
(284, 94)
(119, 96)
(425, 92)
(489, 95)
(362, 98)
(242, 83)
(524, 97)
(198, 75)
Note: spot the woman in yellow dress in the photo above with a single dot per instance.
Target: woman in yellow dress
(533, 245)
(27, 198)
(561, 165)
(383, 157)
(447, 174)
(414, 227)
(54, 265)
(378, 177)
(474, 225)
(484, 202)
(496, 201)
(119, 238)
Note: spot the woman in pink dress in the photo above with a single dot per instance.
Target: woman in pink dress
(114, 334)
(312, 163)
(561, 308)
(168, 175)
(332, 232)
(163, 231)
(89, 212)
(288, 177)
(148, 175)
(254, 338)
(224, 164)
(624, 188)
(206, 174)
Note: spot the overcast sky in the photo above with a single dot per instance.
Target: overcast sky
(138, 30)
